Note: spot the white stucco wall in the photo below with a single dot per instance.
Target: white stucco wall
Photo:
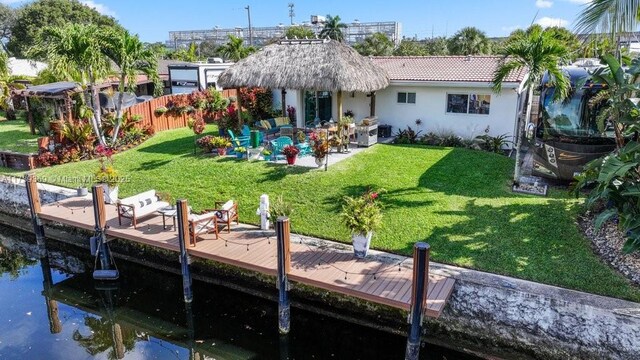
(430, 107)
(294, 98)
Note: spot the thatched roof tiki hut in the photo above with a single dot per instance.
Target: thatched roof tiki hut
(315, 64)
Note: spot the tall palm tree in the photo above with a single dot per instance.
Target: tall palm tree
(133, 58)
(333, 28)
(469, 41)
(74, 52)
(235, 50)
(536, 51)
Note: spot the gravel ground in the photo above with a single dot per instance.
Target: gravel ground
(607, 243)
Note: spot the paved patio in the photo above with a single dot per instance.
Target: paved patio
(334, 157)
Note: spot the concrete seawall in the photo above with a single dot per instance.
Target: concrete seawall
(492, 311)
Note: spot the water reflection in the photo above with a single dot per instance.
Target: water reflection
(144, 316)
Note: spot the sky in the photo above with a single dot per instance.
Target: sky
(153, 19)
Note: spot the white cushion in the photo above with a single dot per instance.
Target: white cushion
(140, 200)
(222, 215)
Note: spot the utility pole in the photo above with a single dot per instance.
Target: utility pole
(291, 12)
(250, 31)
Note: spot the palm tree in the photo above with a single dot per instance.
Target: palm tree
(333, 28)
(609, 16)
(536, 51)
(75, 53)
(235, 50)
(469, 41)
(133, 58)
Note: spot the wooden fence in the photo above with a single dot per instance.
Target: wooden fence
(165, 121)
(17, 161)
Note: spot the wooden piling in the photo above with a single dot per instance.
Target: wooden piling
(418, 298)
(283, 234)
(100, 220)
(33, 196)
(183, 238)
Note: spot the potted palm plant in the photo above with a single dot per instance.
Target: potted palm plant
(290, 152)
(363, 216)
(241, 151)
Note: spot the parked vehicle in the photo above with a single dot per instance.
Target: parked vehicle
(566, 136)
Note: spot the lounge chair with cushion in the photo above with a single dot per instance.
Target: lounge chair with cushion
(272, 126)
(139, 206)
(202, 224)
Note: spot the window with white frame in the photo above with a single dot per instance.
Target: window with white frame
(468, 103)
(406, 98)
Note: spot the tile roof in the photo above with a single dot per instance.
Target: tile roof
(444, 68)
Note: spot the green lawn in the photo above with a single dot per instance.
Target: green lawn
(458, 200)
(13, 133)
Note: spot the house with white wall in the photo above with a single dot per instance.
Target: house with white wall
(446, 93)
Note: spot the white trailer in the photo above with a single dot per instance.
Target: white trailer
(185, 78)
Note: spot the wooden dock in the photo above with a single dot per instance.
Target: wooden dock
(247, 247)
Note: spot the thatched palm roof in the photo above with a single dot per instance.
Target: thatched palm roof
(322, 65)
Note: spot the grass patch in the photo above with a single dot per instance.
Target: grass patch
(15, 135)
(458, 200)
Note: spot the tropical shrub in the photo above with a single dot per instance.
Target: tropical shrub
(490, 143)
(219, 142)
(205, 143)
(160, 110)
(257, 101)
(79, 134)
(362, 214)
(407, 136)
(617, 184)
(279, 207)
(47, 158)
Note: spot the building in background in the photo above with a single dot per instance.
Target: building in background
(355, 33)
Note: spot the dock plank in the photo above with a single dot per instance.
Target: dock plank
(328, 269)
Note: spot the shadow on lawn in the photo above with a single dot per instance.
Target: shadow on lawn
(180, 146)
(530, 239)
(470, 173)
(277, 172)
(390, 199)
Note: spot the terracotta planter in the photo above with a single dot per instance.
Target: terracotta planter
(56, 129)
(222, 151)
(291, 159)
(361, 243)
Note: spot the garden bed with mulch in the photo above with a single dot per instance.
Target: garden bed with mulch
(607, 243)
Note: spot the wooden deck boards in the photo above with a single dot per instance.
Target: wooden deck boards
(253, 249)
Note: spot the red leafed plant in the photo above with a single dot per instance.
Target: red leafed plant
(290, 151)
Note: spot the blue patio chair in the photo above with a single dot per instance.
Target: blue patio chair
(278, 144)
(238, 141)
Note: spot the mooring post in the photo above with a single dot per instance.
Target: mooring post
(183, 237)
(283, 233)
(418, 298)
(100, 219)
(33, 197)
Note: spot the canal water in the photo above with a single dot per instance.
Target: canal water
(51, 308)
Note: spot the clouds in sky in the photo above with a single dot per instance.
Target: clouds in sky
(544, 4)
(101, 8)
(550, 21)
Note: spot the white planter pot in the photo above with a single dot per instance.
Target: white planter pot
(320, 161)
(110, 194)
(361, 243)
(82, 191)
